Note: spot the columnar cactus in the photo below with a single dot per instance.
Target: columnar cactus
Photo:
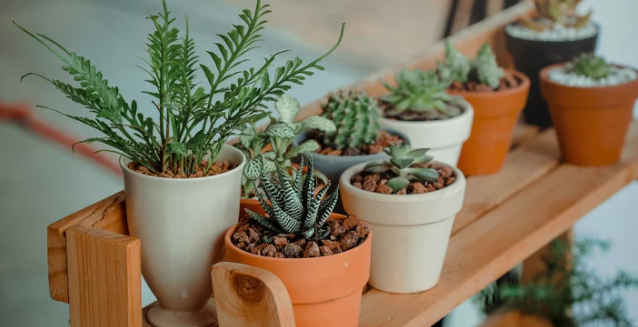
(420, 95)
(591, 66)
(293, 207)
(487, 70)
(357, 119)
(402, 157)
(553, 12)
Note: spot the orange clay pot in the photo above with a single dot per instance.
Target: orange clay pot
(495, 116)
(591, 122)
(325, 291)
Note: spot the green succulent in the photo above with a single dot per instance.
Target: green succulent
(487, 70)
(456, 66)
(591, 66)
(402, 158)
(562, 12)
(279, 134)
(420, 95)
(293, 207)
(356, 117)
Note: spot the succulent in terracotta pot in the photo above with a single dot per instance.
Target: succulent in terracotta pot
(357, 137)
(293, 232)
(497, 95)
(182, 181)
(555, 34)
(265, 149)
(409, 201)
(591, 102)
(419, 106)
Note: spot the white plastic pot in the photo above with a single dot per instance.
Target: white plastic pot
(411, 232)
(444, 138)
(181, 223)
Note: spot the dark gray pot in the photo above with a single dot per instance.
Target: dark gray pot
(334, 166)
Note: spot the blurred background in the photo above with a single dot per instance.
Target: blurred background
(41, 182)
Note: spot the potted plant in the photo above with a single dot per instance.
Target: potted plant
(497, 96)
(323, 258)
(357, 138)
(556, 34)
(419, 107)
(409, 202)
(591, 102)
(182, 182)
(265, 149)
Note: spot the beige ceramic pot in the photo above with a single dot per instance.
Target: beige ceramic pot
(411, 232)
(181, 223)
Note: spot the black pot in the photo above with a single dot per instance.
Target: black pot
(531, 56)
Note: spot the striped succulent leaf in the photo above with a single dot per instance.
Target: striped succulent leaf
(293, 207)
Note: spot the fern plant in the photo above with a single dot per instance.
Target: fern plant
(356, 117)
(280, 134)
(568, 293)
(420, 95)
(402, 158)
(590, 65)
(193, 121)
(293, 207)
(483, 69)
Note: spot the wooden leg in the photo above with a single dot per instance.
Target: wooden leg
(248, 296)
(105, 278)
(535, 264)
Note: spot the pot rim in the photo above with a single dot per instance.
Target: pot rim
(552, 41)
(525, 84)
(468, 111)
(240, 166)
(230, 245)
(367, 156)
(544, 77)
(457, 186)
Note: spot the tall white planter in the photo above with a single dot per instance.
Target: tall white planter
(444, 138)
(411, 232)
(181, 223)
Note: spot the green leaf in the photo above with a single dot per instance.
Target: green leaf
(288, 108)
(280, 130)
(425, 174)
(176, 148)
(398, 183)
(305, 147)
(317, 122)
(247, 136)
(252, 169)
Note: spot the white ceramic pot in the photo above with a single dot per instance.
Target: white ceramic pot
(181, 223)
(444, 138)
(411, 232)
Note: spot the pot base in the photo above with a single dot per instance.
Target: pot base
(161, 317)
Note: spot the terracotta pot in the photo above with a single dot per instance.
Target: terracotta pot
(181, 223)
(325, 291)
(495, 116)
(411, 232)
(531, 56)
(591, 122)
(444, 137)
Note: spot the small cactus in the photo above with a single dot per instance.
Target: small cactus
(591, 66)
(420, 95)
(482, 69)
(561, 12)
(456, 66)
(357, 119)
(402, 157)
(487, 70)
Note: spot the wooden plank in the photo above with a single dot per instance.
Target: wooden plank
(494, 6)
(108, 214)
(250, 297)
(462, 16)
(523, 166)
(492, 245)
(105, 278)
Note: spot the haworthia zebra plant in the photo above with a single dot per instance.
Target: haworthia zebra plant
(402, 157)
(293, 207)
(279, 134)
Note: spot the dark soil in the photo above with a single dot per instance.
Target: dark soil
(509, 81)
(218, 167)
(385, 140)
(375, 182)
(344, 235)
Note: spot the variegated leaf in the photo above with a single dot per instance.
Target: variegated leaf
(288, 108)
(280, 130)
(316, 122)
(303, 148)
(252, 169)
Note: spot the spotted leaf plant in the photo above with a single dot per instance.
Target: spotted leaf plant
(406, 165)
(280, 134)
(420, 96)
(292, 207)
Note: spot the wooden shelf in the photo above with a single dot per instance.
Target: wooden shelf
(506, 218)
